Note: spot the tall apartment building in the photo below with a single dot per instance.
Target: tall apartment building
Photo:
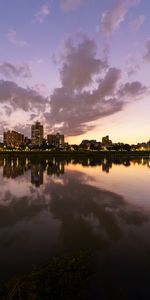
(13, 138)
(55, 140)
(106, 141)
(37, 134)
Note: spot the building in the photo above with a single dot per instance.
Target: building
(13, 138)
(37, 134)
(56, 140)
(106, 141)
(27, 141)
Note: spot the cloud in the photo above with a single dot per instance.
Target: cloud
(20, 107)
(10, 70)
(42, 13)
(108, 84)
(132, 70)
(25, 128)
(73, 105)
(76, 110)
(12, 36)
(136, 24)
(112, 18)
(90, 89)
(69, 5)
(80, 63)
(133, 89)
(133, 63)
(146, 57)
(21, 98)
(40, 88)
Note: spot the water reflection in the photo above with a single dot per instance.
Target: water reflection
(57, 168)
(95, 217)
(14, 167)
(37, 174)
(53, 205)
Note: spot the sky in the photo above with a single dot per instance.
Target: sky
(80, 67)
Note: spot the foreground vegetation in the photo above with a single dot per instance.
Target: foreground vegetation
(63, 278)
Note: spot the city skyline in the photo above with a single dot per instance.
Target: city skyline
(79, 67)
(57, 140)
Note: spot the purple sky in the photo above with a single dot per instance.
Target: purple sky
(81, 67)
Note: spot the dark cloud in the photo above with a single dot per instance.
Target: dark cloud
(73, 105)
(108, 84)
(90, 89)
(10, 70)
(74, 110)
(24, 98)
(80, 63)
(7, 109)
(24, 128)
(3, 124)
(132, 89)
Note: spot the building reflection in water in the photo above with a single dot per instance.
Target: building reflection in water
(56, 168)
(37, 174)
(106, 165)
(14, 167)
(1, 162)
(53, 167)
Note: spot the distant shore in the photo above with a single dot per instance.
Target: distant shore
(59, 153)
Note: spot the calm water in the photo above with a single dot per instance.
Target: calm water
(55, 206)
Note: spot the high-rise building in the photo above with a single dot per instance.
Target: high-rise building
(55, 140)
(106, 141)
(13, 138)
(37, 134)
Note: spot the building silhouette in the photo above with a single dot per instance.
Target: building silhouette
(56, 140)
(37, 134)
(13, 138)
(106, 141)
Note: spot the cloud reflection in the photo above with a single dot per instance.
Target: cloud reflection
(61, 212)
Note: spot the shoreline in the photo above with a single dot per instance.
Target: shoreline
(101, 154)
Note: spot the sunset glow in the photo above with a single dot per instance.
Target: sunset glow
(80, 67)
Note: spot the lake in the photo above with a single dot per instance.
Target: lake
(53, 206)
